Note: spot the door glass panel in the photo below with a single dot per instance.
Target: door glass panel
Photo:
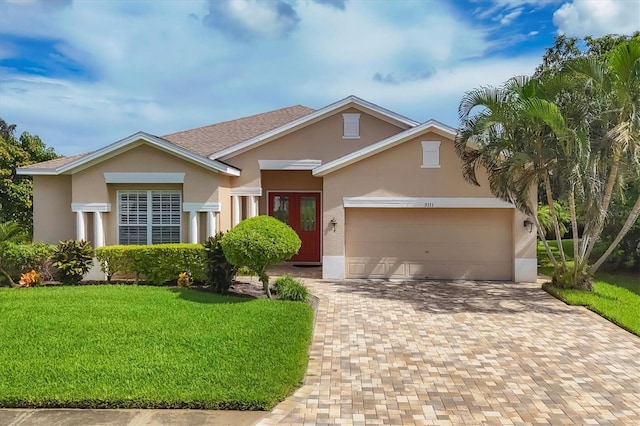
(281, 208)
(308, 213)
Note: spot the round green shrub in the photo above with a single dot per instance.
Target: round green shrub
(258, 243)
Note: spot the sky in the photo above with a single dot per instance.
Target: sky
(82, 74)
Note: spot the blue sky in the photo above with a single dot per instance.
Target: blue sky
(83, 74)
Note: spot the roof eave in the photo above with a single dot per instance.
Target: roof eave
(213, 165)
(33, 172)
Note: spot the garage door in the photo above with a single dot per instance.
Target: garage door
(429, 243)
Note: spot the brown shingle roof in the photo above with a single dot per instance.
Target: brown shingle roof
(210, 139)
(207, 140)
(56, 162)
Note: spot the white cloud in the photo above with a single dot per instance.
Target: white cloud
(501, 6)
(596, 18)
(509, 17)
(160, 69)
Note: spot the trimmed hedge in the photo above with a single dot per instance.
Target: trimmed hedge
(156, 264)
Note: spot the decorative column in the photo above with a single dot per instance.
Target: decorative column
(245, 191)
(211, 224)
(81, 233)
(194, 208)
(193, 227)
(253, 206)
(236, 209)
(80, 209)
(98, 230)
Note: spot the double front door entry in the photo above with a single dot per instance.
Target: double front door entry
(301, 211)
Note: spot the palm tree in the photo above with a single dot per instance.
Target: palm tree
(616, 157)
(513, 133)
(576, 133)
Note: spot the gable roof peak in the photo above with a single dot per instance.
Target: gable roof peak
(307, 119)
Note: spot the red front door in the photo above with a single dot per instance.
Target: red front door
(301, 211)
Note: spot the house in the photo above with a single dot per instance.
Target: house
(372, 194)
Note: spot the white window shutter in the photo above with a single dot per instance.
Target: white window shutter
(351, 125)
(430, 154)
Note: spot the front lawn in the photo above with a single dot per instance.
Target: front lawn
(628, 280)
(152, 347)
(616, 297)
(617, 304)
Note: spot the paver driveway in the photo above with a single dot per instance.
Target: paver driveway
(462, 353)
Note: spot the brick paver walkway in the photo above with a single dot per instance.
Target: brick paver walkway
(462, 353)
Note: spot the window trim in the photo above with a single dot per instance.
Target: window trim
(149, 225)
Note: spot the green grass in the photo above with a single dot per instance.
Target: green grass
(152, 347)
(614, 303)
(627, 280)
(615, 297)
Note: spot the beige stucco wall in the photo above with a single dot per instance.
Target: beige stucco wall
(224, 217)
(397, 172)
(318, 141)
(52, 217)
(200, 186)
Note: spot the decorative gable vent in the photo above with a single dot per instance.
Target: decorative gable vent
(430, 154)
(351, 126)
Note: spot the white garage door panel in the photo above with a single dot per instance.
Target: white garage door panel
(429, 243)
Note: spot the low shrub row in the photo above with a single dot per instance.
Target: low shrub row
(156, 264)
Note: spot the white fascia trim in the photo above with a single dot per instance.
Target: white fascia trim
(258, 140)
(333, 267)
(157, 142)
(526, 270)
(32, 172)
(256, 191)
(289, 164)
(200, 207)
(91, 207)
(134, 177)
(426, 202)
(368, 151)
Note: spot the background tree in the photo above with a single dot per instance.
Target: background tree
(16, 192)
(10, 233)
(614, 79)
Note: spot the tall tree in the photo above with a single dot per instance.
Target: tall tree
(509, 132)
(616, 80)
(16, 192)
(532, 131)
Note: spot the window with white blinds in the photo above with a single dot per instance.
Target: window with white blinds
(149, 217)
